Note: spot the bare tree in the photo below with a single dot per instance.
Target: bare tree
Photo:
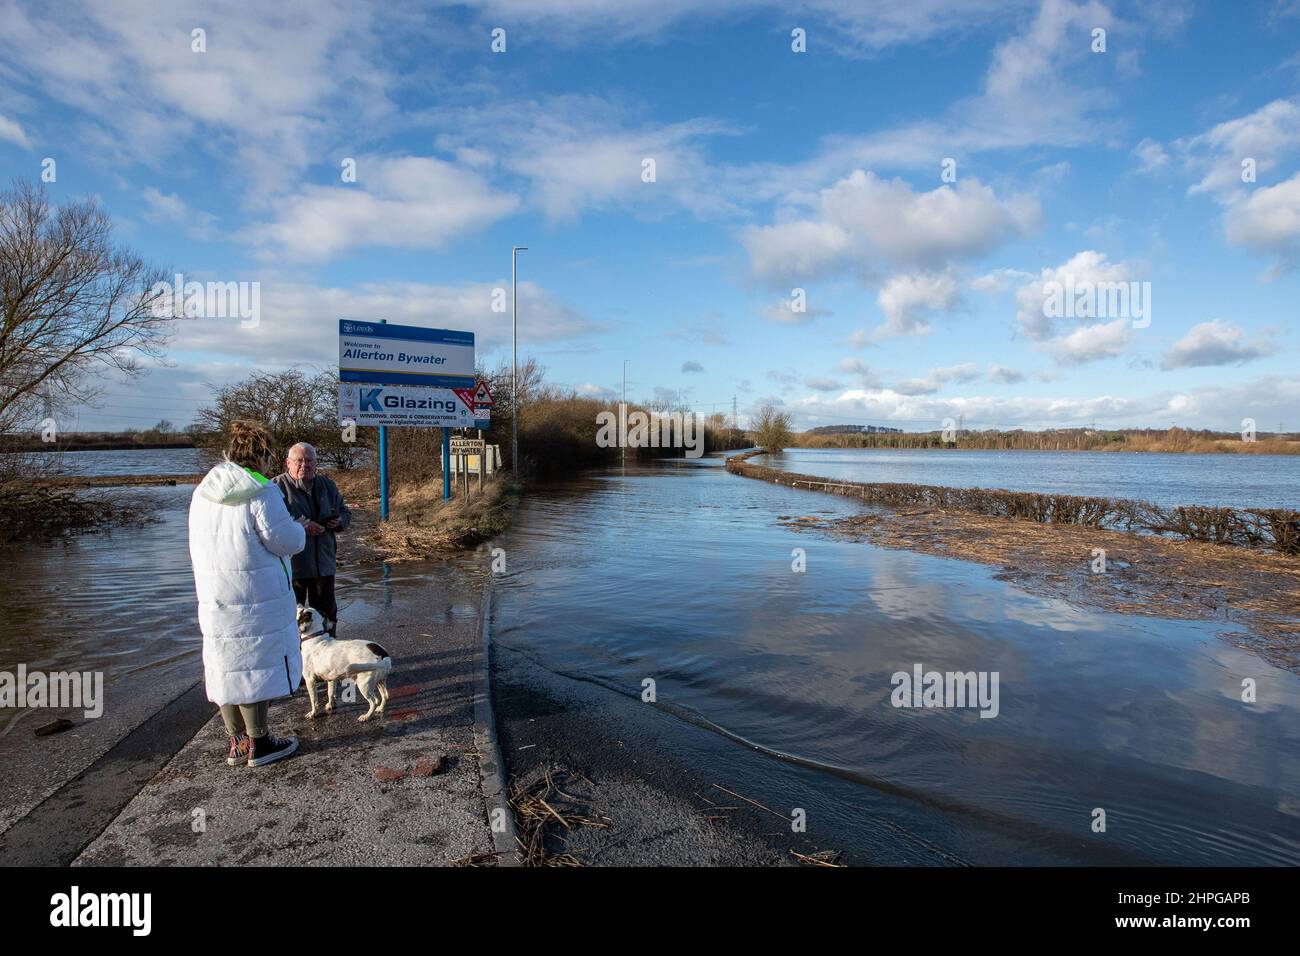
(296, 405)
(530, 377)
(771, 429)
(70, 301)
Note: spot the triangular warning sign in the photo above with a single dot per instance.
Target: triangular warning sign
(466, 395)
(483, 396)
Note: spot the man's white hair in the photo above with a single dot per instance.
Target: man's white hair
(304, 446)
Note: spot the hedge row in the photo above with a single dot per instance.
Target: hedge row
(1276, 528)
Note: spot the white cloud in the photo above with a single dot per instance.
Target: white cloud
(570, 153)
(1265, 399)
(863, 218)
(164, 207)
(299, 323)
(998, 281)
(803, 250)
(275, 81)
(411, 202)
(11, 130)
(1213, 343)
(907, 300)
(937, 378)
(784, 376)
(1268, 222)
(818, 384)
(782, 311)
(1151, 156)
(1091, 343)
(1005, 376)
(1266, 135)
(867, 25)
(1262, 218)
(1031, 98)
(1086, 268)
(862, 372)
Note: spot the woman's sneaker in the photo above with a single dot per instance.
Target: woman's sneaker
(269, 749)
(240, 745)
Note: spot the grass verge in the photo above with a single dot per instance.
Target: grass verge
(420, 524)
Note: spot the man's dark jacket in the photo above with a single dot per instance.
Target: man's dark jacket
(320, 503)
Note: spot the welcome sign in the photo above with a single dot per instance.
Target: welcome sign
(384, 354)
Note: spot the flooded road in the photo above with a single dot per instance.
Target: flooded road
(681, 574)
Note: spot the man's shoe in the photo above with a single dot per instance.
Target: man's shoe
(269, 749)
(240, 746)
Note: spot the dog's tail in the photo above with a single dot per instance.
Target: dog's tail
(385, 665)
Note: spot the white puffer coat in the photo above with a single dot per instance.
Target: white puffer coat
(240, 535)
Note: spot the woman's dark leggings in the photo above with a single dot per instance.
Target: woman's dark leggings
(246, 718)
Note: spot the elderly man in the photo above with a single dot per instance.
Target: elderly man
(315, 503)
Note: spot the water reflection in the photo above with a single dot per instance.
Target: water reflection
(684, 574)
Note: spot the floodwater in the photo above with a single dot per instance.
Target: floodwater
(142, 461)
(119, 602)
(1231, 480)
(681, 574)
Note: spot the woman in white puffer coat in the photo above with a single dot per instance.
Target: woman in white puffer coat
(241, 536)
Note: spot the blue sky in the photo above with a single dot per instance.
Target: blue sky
(774, 171)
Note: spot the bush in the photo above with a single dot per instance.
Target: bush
(296, 406)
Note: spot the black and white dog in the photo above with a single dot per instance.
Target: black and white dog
(325, 658)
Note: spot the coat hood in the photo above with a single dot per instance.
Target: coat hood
(229, 484)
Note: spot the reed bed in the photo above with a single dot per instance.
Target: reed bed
(1277, 529)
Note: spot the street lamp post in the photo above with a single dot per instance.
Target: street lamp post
(514, 362)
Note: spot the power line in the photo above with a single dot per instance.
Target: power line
(171, 398)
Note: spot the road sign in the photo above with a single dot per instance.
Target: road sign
(483, 396)
(413, 406)
(384, 354)
(466, 395)
(483, 417)
(467, 446)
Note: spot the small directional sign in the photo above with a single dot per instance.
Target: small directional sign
(483, 395)
(467, 446)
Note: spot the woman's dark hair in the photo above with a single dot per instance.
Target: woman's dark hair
(250, 444)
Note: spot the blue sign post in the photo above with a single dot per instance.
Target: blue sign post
(383, 463)
(446, 464)
(377, 353)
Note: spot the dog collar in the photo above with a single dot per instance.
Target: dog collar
(308, 637)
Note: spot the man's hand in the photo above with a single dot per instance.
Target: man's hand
(332, 523)
(313, 528)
